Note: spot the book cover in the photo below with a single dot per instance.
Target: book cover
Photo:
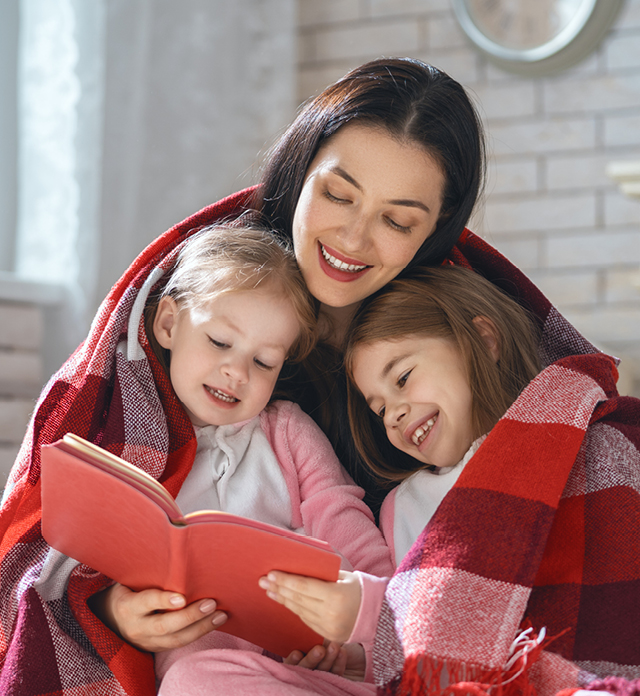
(115, 518)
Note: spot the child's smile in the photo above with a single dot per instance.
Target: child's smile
(219, 395)
(418, 385)
(418, 434)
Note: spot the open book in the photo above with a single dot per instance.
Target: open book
(115, 518)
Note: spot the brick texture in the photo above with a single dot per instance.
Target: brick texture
(21, 375)
(549, 205)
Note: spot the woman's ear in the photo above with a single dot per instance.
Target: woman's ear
(489, 334)
(165, 321)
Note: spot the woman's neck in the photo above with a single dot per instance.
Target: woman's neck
(333, 323)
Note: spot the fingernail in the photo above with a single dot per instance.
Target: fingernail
(331, 649)
(219, 619)
(176, 600)
(263, 583)
(317, 652)
(207, 606)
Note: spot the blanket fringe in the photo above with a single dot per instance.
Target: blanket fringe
(422, 675)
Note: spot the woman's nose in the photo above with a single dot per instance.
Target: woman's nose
(354, 232)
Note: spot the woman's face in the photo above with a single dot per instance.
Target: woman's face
(367, 204)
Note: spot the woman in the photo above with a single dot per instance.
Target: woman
(378, 174)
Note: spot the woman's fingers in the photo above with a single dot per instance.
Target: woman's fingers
(154, 620)
(332, 656)
(192, 631)
(181, 626)
(339, 667)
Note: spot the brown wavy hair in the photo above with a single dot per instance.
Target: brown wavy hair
(442, 302)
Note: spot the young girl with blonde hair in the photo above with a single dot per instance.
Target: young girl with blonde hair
(181, 371)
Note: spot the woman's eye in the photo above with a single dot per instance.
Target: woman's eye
(380, 412)
(403, 380)
(396, 226)
(335, 199)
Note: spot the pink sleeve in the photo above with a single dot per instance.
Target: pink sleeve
(324, 499)
(364, 631)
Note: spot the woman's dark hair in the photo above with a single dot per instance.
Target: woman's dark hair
(413, 102)
(443, 302)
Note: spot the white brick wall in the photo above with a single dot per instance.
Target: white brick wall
(549, 205)
(21, 375)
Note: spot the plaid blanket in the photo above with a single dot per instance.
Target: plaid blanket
(50, 642)
(539, 535)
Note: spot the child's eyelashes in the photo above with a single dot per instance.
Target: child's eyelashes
(257, 362)
(403, 379)
(400, 383)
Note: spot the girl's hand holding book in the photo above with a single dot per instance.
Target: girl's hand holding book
(329, 608)
(153, 620)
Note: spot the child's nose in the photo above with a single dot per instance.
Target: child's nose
(394, 415)
(237, 371)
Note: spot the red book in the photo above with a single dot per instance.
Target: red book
(115, 518)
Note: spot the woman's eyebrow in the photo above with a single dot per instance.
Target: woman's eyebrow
(410, 203)
(407, 202)
(347, 177)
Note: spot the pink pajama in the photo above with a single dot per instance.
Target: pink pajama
(238, 672)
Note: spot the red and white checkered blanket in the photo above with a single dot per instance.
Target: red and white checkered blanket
(50, 642)
(541, 531)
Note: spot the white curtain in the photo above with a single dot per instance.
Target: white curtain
(60, 106)
(132, 115)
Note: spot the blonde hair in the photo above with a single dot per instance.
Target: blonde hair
(443, 302)
(232, 258)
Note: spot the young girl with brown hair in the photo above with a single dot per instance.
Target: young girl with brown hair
(508, 480)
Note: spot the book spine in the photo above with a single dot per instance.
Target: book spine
(177, 572)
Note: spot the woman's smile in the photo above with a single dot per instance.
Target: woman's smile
(339, 267)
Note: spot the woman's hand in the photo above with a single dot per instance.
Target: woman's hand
(154, 620)
(329, 608)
